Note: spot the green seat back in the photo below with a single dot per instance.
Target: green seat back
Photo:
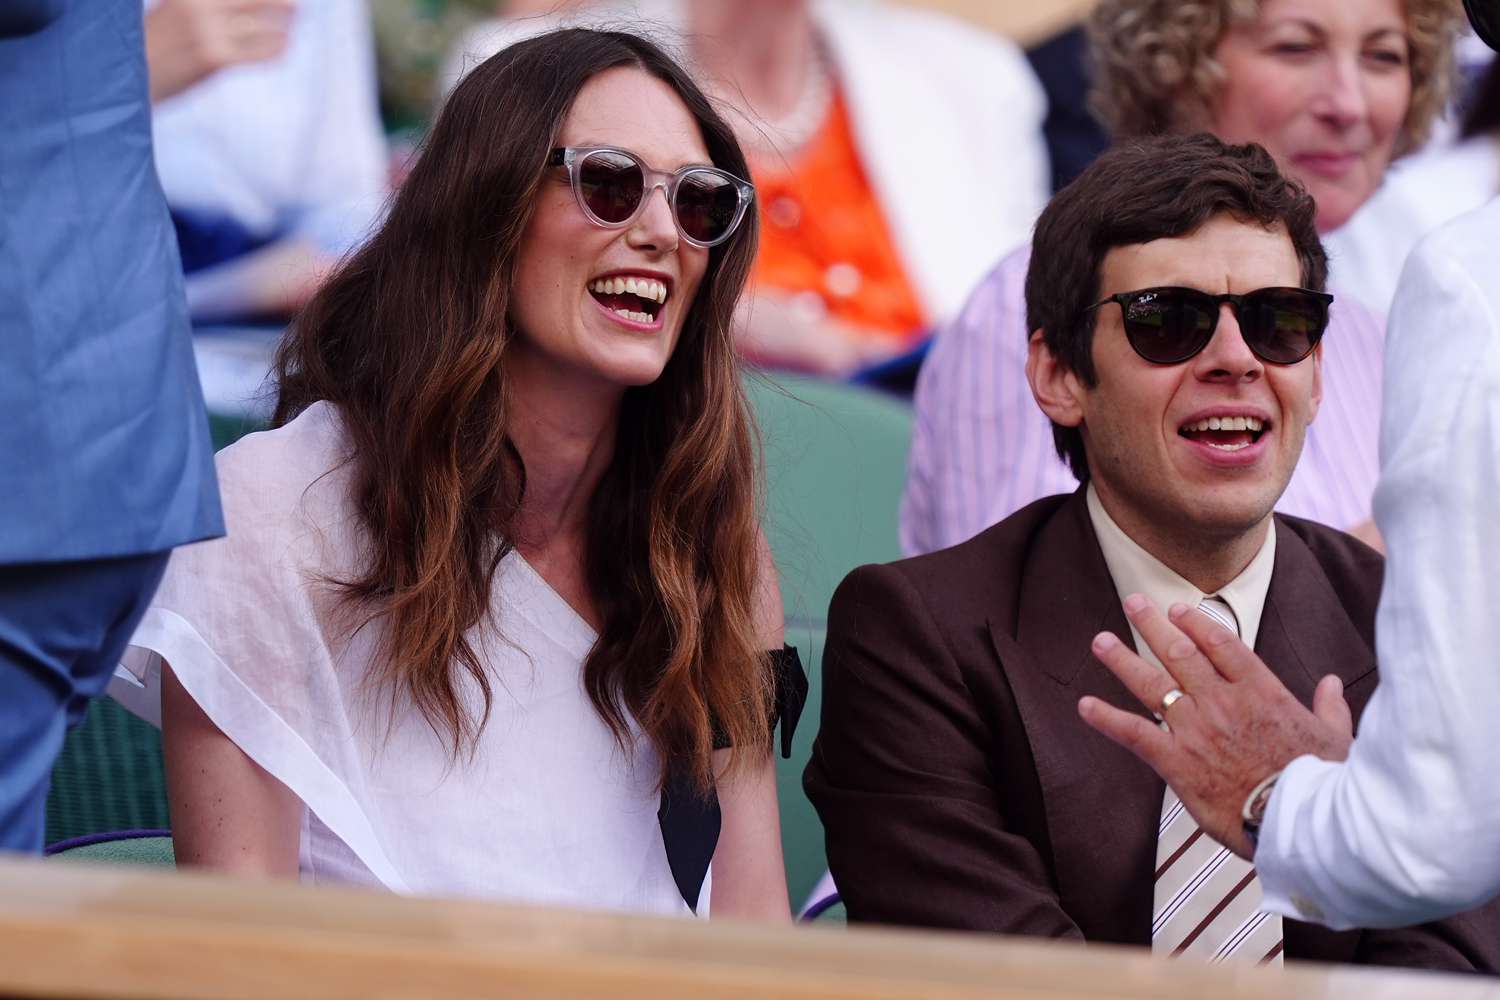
(835, 464)
(108, 777)
(801, 832)
(225, 429)
(835, 459)
(833, 916)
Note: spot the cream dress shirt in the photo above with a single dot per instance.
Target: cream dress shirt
(1136, 571)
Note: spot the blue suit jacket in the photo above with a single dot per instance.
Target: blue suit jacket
(104, 446)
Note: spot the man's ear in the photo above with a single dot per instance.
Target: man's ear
(1057, 389)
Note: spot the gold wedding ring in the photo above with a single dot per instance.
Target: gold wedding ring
(1167, 701)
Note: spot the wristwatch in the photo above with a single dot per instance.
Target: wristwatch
(1253, 812)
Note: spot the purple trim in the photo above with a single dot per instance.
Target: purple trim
(819, 908)
(90, 839)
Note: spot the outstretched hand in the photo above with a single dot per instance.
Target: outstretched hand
(1234, 725)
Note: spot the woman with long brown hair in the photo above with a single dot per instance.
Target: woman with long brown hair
(495, 611)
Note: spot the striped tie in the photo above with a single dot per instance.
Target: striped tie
(1207, 900)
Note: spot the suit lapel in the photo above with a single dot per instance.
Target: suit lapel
(1305, 631)
(1102, 804)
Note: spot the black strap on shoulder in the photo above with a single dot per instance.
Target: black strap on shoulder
(690, 820)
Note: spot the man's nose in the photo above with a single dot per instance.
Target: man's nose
(1228, 358)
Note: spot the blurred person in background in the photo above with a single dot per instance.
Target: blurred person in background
(1333, 89)
(105, 461)
(1420, 196)
(896, 151)
(412, 38)
(268, 144)
(495, 616)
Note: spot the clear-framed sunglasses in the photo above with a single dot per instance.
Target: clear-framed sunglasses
(612, 186)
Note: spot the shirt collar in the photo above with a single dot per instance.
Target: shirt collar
(1136, 571)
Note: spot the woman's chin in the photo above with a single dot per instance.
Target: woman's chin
(1336, 204)
(628, 372)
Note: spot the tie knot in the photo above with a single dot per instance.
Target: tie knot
(1219, 610)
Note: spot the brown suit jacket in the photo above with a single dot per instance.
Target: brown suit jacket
(959, 788)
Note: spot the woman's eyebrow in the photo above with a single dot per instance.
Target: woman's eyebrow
(1294, 21)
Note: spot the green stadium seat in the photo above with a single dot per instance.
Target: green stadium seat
(108, 777)
(131, 847)
(835, 464)
(835, 458)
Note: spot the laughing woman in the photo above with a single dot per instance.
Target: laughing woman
(495, 616)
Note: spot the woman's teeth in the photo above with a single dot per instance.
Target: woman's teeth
(646, 288)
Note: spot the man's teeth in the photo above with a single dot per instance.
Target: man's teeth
(1252, 424)
(646, 288)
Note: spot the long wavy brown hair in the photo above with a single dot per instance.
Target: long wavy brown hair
(409, 339)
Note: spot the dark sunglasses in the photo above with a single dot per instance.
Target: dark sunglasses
(612, 186)
(1168, 325)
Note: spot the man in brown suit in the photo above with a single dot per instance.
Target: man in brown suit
(1175, 291)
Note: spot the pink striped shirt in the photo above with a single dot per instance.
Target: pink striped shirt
(982, 449)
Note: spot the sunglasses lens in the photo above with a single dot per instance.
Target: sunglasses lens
(1283, 325)
(707, 206)
(1168, 325)
(611, 185)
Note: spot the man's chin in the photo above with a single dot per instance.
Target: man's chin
(1230, 513)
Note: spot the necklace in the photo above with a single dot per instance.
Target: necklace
(789, 132)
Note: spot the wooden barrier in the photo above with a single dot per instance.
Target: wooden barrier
(73, 930)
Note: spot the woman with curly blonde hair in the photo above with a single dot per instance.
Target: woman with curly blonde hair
(1334, 90)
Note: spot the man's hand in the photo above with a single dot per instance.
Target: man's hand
(1234, 726)
(187, 40)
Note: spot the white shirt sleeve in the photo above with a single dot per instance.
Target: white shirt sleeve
(1408, 828)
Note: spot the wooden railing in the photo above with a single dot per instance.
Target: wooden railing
(72, 930)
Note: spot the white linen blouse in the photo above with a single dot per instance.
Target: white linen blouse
(548, 809)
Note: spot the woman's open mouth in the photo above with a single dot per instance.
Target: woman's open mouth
(634, 298)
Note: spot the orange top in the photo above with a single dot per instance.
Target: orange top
(822, 231)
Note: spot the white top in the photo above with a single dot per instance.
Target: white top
(947, 120)
(549, 810)
(292, 146)
(1408, 829)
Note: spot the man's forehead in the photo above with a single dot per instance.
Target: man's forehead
(1225, 254)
